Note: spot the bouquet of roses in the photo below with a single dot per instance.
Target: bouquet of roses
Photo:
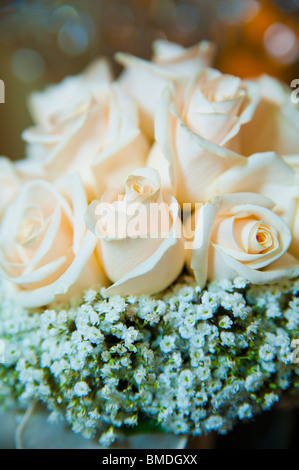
(172, 167)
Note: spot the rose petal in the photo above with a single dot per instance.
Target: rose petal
(262, 173)
(177, 57)
(164, 123)
(286, 267)
(36, 276)
(46, 295)
(157, 272)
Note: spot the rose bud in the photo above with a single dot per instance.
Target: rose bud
(140, 235)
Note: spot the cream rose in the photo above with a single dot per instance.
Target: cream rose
(192, 124)
(88, 125)
(145, 80)
(45, 248)
(141, 243)
(70, 97)
(239, 235)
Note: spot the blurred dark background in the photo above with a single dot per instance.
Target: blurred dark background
(42, 41)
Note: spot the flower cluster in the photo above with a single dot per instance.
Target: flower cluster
(100, 199)
(183, 362)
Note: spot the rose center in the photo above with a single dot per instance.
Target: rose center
(264, 237)
(29, 232)
(141, 186)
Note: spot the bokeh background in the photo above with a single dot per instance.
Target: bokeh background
(42, 41)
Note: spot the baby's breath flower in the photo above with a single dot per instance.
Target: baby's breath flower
(197, 340)
(167, 343)
(214, 423)
(90, 296)
(240, 282)
(186, 378)
(202, 373)
(140, 375)
(81, 389)
(269, 400)
(227, 339)
(225, 322)
(186, 331)
(245, 411)
(107, 360)
(253, 381)
(108, 437)
(267, 353)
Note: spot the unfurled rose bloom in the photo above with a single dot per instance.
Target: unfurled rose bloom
(275, 125)
(239, 235)
(140, 235)
(191, 123)
(71, 97)
(86, 125)
(45, 248)
(145, 80)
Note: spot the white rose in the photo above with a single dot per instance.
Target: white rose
(86, 125)
(239, 235)
(192, 123)
(70, 97)
(145, 80)
(140, 238)
(45, 248)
